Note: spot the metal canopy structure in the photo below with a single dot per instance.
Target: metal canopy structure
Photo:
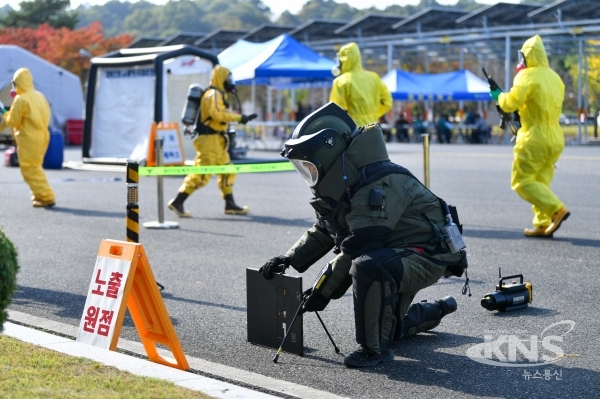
(499, 14)
(371, 25)
(430, 19)
(182, 38)
(265, 32)
(318, 29)
(145, 41)
(219, 39)
(567, 10)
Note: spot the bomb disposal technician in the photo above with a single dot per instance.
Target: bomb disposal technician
(388, 230)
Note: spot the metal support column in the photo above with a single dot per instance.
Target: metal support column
(160, 224)
(507, 80)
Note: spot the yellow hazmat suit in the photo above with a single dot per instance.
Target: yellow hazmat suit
(212, 149)
(362, 93)
(537, 94)
(29, 117)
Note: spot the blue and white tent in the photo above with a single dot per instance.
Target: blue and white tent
(447, 86)
(280, 62)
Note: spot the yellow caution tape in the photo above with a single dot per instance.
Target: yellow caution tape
(215, 169)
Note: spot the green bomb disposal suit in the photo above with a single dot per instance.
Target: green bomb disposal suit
(388, 252)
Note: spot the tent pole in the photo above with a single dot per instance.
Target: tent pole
(269, 104)
(325, 98)
(586, 103)
(253, 95)
(579, 95)
(292, 104)
(461, 103)
(278, 115)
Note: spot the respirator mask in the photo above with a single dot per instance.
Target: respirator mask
(229, 85)
(337, 69)
(522, 64)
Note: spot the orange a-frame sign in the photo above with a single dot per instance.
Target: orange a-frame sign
(172, 151)
(123, 279)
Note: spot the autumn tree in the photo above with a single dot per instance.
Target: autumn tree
(61, 46)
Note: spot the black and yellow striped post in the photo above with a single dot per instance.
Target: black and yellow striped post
(133, 215)
(133, 209)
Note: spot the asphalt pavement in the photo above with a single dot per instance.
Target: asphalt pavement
(549, 349)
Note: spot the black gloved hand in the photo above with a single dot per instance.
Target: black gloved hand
(277, 264)
(315, 302)
(247, 118)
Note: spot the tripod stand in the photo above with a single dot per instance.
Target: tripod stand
(299, 311)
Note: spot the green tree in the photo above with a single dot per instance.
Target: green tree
(37, 12)
(287, 18)
(328, 9)
(8, 274)
(111, 15)
(196, 16)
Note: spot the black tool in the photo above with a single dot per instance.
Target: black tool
(510, 119)
(509, 297)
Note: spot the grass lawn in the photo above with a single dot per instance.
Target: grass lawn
(29, 371)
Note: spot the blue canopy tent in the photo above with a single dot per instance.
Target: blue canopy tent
(447, 86)
(282, 62)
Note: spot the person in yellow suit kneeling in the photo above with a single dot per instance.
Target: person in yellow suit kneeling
(29, 117)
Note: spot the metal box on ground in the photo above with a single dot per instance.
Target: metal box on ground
(271, 306)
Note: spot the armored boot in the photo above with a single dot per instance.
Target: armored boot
(176, 205)
(231, 208)
(447, 305)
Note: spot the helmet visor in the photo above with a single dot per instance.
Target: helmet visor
(308, 171)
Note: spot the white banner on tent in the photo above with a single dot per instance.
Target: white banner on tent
(123, 110)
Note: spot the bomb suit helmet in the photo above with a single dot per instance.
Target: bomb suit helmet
(318, 141)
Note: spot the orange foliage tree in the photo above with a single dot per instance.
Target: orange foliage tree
(61, 46)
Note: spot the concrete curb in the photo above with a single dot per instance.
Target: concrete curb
(213, 387)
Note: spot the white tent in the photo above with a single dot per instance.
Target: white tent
(61, 87)
(131, 88)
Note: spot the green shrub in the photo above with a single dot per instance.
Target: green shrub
(8, 274)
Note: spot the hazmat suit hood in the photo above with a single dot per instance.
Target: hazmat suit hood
(219, 76)
(23, 81)
(534, 52)
(350, 58)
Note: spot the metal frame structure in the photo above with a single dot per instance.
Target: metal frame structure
(219, 39)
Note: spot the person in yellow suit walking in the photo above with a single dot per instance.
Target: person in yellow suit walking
(212, 144)
(538, 94)
(362, 93)
(29, 117)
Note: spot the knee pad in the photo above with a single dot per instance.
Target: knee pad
(375, 297)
